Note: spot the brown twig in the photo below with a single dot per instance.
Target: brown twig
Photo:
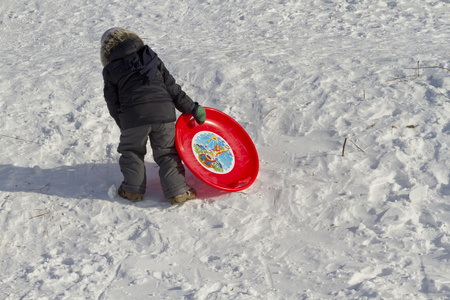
(40, 215)
(418, 69)
(269, 112)
(432, 67)
(343, 147)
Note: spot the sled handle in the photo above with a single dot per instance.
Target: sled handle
(241, 182)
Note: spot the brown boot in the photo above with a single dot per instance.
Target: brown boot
(130, 196)
(189, 195)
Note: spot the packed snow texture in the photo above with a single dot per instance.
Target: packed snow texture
(322, 221)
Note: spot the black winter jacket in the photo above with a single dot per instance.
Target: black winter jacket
(135, 93)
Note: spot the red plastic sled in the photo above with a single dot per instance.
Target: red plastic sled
(219, 152)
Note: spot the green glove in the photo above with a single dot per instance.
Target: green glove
(199, 113)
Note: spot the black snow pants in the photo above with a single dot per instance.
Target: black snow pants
(133, 147)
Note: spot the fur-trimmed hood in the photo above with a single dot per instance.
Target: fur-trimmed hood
(111, 38)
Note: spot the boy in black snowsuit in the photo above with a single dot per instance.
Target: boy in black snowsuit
(141, 95)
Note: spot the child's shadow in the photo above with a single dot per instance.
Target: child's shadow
(79, 181)
(89, 180)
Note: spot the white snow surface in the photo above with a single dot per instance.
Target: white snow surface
(300, 77)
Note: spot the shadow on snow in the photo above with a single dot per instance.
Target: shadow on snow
(89, 180)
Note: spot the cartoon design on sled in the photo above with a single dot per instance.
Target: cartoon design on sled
(213, 152)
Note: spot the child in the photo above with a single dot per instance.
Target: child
(141, 95)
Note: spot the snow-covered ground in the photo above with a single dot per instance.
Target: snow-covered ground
(300, 77)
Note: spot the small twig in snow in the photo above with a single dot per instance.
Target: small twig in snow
(343, 147)
(269, 112)
(418, 69)
(40, 215)
(432, 67)
(443, 93)
(16, 138)
(359, 148)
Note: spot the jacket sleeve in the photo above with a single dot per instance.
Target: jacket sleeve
(111, 97)
(181, 100)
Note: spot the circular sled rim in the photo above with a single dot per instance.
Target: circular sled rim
(213, 122)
